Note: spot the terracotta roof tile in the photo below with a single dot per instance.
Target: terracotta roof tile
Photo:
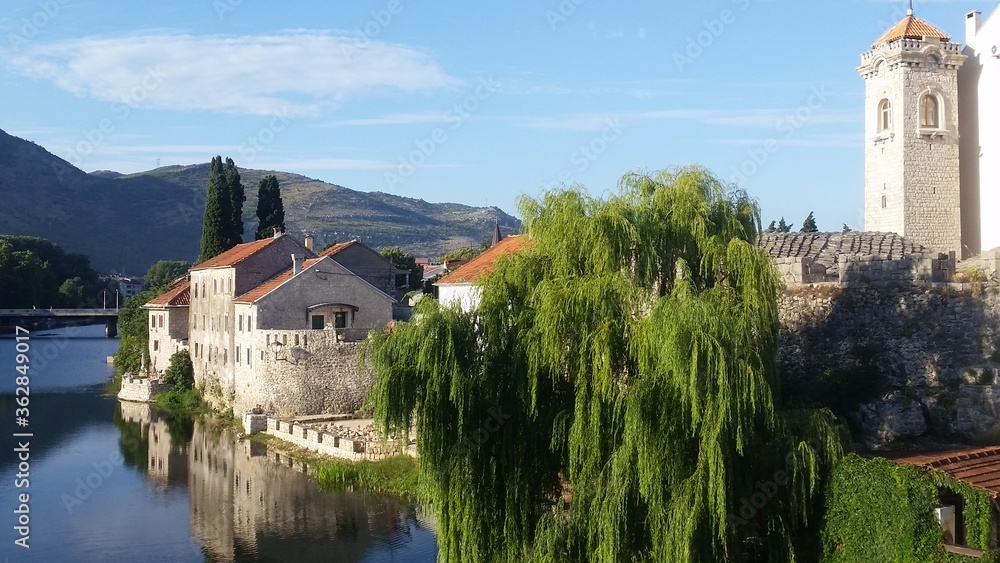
(473, 270)
(337, 248)
(177, 295)
(234, 255)
(979, 467)
(270, 285)
(911, 28)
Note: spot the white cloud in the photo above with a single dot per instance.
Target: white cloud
(295, 72)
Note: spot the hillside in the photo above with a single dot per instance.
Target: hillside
(128, 222)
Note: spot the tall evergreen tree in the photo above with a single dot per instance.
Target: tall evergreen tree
(809, 224)
(237, 195)
(784, 227)
(627, 354)
(270, 210)
(216, 227)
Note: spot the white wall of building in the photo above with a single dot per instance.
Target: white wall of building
(981, 160)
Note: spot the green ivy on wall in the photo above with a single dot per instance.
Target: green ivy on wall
(879, 510)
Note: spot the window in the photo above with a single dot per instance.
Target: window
(249, 356)
(195, 322)
(318, 322)
(156, 345)
(195, 291)
(215, 286)
(225, 357)
(237, 354)
(230, 285)
(296, 339)
(929, 114)
(340, 320)
(883, 202)
(227, 322)
(241, 323)
(884, 115)
(161, 321)
(305, 340)
(152, 321)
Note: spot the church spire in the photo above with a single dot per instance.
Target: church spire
(909, 10)
(497, 237)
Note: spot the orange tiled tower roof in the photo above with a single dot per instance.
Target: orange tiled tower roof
(911, 27)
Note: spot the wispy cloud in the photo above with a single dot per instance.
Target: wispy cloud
(754, 118)
(393, 119)
(295, 72)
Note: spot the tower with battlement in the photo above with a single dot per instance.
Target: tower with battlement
(912, 180)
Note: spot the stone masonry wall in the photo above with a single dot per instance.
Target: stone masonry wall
(318, 375)
(934, 349)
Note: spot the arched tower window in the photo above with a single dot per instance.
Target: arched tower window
(884, 115)
(929, 111)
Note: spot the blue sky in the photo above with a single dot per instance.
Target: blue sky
(475, 103)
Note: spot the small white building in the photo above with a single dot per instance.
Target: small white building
(168, 325)
(462, 284)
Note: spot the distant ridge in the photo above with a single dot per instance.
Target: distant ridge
(127, 222)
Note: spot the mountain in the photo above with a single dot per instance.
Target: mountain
(127, 222)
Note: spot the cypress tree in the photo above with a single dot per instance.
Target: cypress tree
(809, 225)
(270, 210)
(216, 226)
(627, 354)
(237, 196)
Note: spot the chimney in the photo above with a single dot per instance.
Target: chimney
(973, 21)
(297, 264)
(309, 243)
(277, 232)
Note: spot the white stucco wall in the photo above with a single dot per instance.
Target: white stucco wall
(465, 294)
(983, 78)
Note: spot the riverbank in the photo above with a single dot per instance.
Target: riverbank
(397, 475)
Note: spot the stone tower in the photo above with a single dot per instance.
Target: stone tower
(911, 135)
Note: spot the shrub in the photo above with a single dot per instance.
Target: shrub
(180, 374)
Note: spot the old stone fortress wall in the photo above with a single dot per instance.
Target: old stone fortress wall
(921, 326)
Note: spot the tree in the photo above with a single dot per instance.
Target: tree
(133, 334)
(72, 293)
(215, 230)
(270, 210)
(180, 373)
(809, 224)
(845, 229)
(165, 272)
(784, 227)
(237, 195)
(771, 228)
(408, 264)
(626, 355)
(467, 253)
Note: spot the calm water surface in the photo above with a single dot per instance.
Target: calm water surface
(114, 481)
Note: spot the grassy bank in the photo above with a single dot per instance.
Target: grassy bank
(397, 475)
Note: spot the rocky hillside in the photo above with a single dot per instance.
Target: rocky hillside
(128, 222)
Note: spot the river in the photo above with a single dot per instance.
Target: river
(109, 481)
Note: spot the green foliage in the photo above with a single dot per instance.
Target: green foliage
(37, 273)
(182, 402)
(784, 227)
(845, 229)
(879, 510)
(395, 475)
(165, 272)
(180, 373)
(133, 443)
(771, 228)
(467, 253)
(270, 209)
(629, 353)
(215, 230)
(402, 261)
(237, 195)
(133, 334)
(809, 224)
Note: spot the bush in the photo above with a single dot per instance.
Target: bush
(180, 374)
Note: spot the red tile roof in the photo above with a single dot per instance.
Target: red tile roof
(337, 248)
(978, 467)
(911, 28)
(273, 283)
(177, 295)
(235, 255)
(473, 270)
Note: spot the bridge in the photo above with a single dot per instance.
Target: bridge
(110, 316)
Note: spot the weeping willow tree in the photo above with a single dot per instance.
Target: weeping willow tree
(614, 395)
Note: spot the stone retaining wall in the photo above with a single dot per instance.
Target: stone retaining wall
(303, 435)
(141, 389)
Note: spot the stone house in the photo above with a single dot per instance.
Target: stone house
(270, 324)
(168, 324)
(366, 263)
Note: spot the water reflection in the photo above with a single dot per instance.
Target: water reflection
(247, 506)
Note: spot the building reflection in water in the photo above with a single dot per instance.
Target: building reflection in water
(248, 505)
